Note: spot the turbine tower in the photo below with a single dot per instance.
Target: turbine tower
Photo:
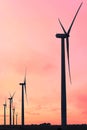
(22, 104)
(5, 105)
(10, 109)
(63, 37)
(16, 118)
(13, 115)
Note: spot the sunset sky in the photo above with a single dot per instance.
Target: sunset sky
(27, 40)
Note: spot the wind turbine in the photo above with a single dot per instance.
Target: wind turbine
(5, 105)
(65, 36)
(13, 115)
(22, 105)
(10, 103)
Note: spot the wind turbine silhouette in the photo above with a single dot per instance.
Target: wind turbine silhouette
(64, 36)
(22, 105)
(5, 105)
(13, 115)
(10, 112)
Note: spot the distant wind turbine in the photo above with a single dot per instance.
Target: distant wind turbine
(22, 107)
(5, 105)
(65, 36)
(10, 109)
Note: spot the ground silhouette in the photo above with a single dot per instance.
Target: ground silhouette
(43, 127)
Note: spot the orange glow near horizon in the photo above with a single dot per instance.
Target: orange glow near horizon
(27, 40)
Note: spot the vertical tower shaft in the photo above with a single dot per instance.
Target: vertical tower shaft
(22, 114)
(10, 113)
(4, 114)
(16, 118)
(63, 85)
(13, 116)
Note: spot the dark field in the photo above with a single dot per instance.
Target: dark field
(43, 127)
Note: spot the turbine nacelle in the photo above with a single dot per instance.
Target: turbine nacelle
(10, 98)
(62, 35)
(14, 109)
(4, 105)
(21, 84)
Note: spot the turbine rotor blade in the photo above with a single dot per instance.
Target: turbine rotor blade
(12, 99)
(62, 27)
(25, 85)
(26, 98)
(10, 94)
(13, 94)
(74, 18)
(67, 46)
(25, 81)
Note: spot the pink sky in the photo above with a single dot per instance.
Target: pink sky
(27, 39)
